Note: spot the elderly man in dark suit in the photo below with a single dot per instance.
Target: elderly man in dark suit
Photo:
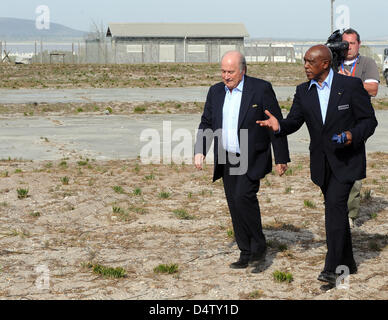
(242, 150)
(340, 118)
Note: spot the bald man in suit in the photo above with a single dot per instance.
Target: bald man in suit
(242, 150)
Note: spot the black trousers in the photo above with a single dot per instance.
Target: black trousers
(338, 236)
(241, 195)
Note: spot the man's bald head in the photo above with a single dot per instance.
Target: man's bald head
(317, 62)
(233, 68)
(235, 56)
(321, 51)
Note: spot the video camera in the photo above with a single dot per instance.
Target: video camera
(338, 48)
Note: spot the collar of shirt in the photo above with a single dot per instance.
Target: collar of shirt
(328, 81)
(350, 62)
(238, 88)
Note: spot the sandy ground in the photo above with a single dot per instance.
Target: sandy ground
(82, 213)
(49, 240)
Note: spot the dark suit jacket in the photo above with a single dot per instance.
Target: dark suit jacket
(257, 96)
(349, 109)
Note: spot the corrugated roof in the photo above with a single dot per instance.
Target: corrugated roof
(177, 30)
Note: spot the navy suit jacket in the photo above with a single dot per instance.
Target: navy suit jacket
(349, 109)
(257, 96)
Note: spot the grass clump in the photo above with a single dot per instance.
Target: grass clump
(65, 180)
(22, 193)
(167, 268)
(182, 214)
(309, 204)
(139, 109)
(118, 189)
(280, 276)
(256, 294)
(164, 195)
(107, 272)
(137, 192)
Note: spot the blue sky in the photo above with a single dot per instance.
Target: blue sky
(263, 18)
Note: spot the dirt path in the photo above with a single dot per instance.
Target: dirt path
(136, 217)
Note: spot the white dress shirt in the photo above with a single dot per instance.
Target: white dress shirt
(324, 93)
(230, 115)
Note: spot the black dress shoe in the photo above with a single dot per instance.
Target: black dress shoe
(329, 277)
(240, 264)
(256, 258)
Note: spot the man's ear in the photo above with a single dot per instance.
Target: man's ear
(326, 64)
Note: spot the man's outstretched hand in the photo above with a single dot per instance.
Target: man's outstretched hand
(271, 122)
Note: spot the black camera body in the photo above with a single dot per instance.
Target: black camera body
(338, 48)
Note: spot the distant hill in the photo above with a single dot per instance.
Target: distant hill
(22, 29)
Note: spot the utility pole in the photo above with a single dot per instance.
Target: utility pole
(332, 15)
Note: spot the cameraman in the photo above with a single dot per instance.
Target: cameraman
(366, 69)
(359, 66)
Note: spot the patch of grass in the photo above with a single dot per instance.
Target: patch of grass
(117, 209)
(167, 268)
(48, 165)
(230, 233)
(139, 109)
(256, 294)
(65, 180)
(63, 164)
(150, 177)
(22, 193)
(309, 204)
(280, 276)
(137, 192)
(82, 162)
(182, 214)
(164, 195)
(107, 272)
(118, 189)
